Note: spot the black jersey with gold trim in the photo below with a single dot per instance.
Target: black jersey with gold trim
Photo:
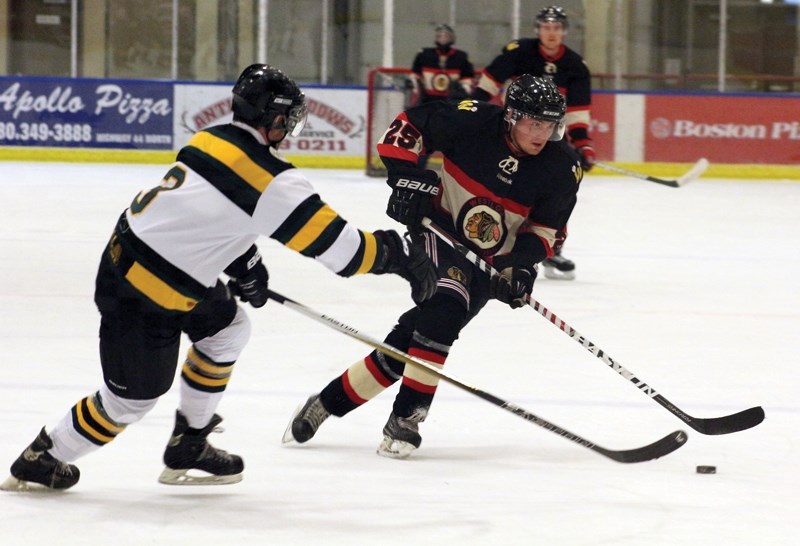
(497, 200)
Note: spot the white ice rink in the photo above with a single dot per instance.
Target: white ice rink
(694, 290)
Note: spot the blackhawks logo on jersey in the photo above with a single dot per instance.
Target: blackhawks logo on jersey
(457, 275)
(483, 224)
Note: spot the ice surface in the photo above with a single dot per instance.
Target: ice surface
(694, 290)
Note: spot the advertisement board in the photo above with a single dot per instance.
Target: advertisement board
(63, 112)
(602, 127)
(336, 123)
(723, 129)
(76, 119)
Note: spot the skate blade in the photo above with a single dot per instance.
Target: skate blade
(557, 275)
(14, 485)
(288, 437)
(395, 449)
(181, 477)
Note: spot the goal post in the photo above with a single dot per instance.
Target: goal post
(388, 94)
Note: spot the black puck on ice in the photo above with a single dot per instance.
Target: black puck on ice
(706, 469)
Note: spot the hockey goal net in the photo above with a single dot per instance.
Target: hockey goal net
(388, 94)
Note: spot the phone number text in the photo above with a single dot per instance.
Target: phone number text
(313, 145)
(42, 132)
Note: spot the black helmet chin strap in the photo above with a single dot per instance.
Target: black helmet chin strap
(509, 121)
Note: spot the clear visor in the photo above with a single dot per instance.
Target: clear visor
(296, 120)
(555, 128)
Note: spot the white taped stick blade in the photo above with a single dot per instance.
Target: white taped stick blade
(694, 173)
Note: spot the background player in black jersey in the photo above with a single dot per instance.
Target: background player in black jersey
(442, 72)
(508, 186)
(548, 57)
(159, 277)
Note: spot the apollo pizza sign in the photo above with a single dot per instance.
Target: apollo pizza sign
(725, 129)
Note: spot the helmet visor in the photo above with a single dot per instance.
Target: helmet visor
(555, 123)
(296, 119)
(293, 112)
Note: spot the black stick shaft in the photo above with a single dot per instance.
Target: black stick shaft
(715, 425)
(662, 447)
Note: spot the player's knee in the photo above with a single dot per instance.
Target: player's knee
(121, 411)
(212, 315)
(441, 319)
(227, 344)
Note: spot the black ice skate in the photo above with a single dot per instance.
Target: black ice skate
(188, 449)
(35, 468)
(306, 421)
(559, 268)
(401, 436)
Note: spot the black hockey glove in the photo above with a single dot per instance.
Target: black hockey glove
(409, 260)
(514, 284)
(249, 278)
(412, 196)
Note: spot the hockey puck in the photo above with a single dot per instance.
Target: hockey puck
(706, 469)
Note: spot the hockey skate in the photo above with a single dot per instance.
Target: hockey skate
(401, 436)
(188, 449)
(36, 469)
(559, 268)
(305, 421)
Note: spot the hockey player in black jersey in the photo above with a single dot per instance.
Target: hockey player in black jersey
(159, 277)
(442, 72)
(508, 186)
(548, 57)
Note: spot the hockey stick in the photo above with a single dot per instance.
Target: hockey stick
(664, 446)
(714, 425)
(695, 172)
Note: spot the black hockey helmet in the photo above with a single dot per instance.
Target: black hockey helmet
(446, 32)
(262, 93)
(537, 98)
(552, 14)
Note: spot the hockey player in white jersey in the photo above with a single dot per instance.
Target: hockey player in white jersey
(159, 276)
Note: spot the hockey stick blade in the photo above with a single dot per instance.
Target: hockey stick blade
(692, 174)
(727, 424)
(662, 447)
(665, 445)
